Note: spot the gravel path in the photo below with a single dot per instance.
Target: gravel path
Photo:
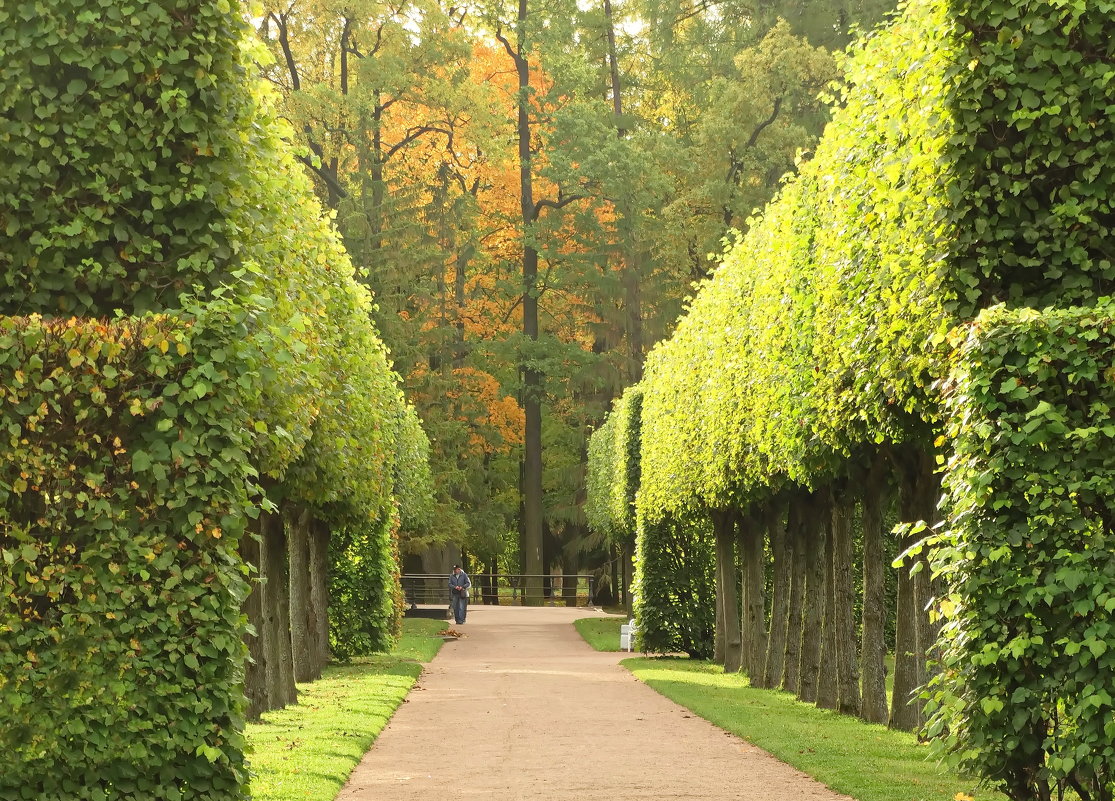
(521, 708)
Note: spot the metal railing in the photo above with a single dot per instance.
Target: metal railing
(508, 590)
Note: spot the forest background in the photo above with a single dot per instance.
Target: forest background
(532, 190)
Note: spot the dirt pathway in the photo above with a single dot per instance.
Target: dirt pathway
(522, 708)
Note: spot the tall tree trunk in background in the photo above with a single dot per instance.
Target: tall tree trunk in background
(814, 600)
(255, 673)
(298, 555)
(827, 686)
(844, 598)
(776, 645)
(724, 524)
(630, 249)
(795, 558)
(754, 571)
(319, 595)
(875, 499)
(276, 612)
(489, 584)
(531, 377)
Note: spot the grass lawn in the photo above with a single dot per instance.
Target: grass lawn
(868, 762)
(306, 752)
(602, 633)
(865, 761)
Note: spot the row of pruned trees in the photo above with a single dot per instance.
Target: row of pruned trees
(795, 415)
(201, 418)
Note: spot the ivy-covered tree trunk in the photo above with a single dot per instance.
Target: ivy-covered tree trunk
(827, 685)
(911, 619)
(796, 561)
(319, 595)
(844, 604)
(754, 577)
(904, 713)
(298, 554)
(279, 664)
(813, 597)
(728, 605)
(873, 502)
(255, 675)
(776, 645)
(927, 494)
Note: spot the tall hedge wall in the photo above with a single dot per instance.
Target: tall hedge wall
(116, 125)
(123, 495)
(811, 336)
(614, 469)
(148, 172)
(1025, 696)
(1034, 149)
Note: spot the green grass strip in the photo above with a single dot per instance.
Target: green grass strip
(866, 761)
(307, 751)
(602, 633)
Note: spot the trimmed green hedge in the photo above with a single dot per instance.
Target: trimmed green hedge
(614, 469)
(116, 125)
(1033, 152)
(123, 495)
(674, 588)
(1025, 696)
(146, 170)
(811, 339)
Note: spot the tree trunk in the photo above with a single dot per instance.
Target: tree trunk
(844, 598)
(718, 635)
(319, 595)
(255, 672)
(628, 577)
(727, 589)
(795, 558)
(301, 625)
(776, 645)
(532, 378)
(904, 714)
(827, 685)
(873, 644)
(631, 253)
(910, 637)
(276, 612)
(928, 494)
(814, 602)
(752, 542)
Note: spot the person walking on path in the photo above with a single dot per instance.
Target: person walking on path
(459, 585)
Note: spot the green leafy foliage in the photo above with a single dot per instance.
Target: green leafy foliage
(123, 494)
(1034, 146)
(116, 155)
(810, 340)
(150, 174)
(1024, 697)
(674, 590)
(613, 478)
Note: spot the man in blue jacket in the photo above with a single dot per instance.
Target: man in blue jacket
(458, 593)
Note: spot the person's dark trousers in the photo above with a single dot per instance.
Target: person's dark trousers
(460, 607)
